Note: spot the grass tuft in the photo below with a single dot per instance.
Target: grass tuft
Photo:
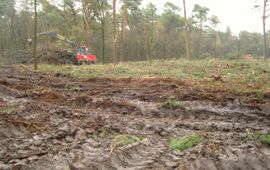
(185, 142)
(76, 88)
(264, 138)
(7, 109)
(173, 104)
(124, 140)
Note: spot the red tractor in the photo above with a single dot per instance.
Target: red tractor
(79, 55)
(84, 56)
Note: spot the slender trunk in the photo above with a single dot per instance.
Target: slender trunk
(264, 30)
(124, 23)
(152, 37)
(215, 45)
(103, 42)
(47, 23)
(102, 20)
(85, 22)
(215, 50)
(12, 25)
(122, 40)
(35, 38)
(187, 35)
(28, 27)
(114, 33)
(200, 38)
(165, 47)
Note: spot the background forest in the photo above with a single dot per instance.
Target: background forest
(143, 32)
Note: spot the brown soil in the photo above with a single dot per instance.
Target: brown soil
(46, 124)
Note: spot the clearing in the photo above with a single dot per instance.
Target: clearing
(215, 118)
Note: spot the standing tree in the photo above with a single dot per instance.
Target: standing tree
(265, 9)
(187, 34)
(151, 17)
(84, 14)
(135, 42)
(35, 37)
(200, 14)
(124, 23)
(102, 4)
(114, 32)
(169, 34)
(214, 22)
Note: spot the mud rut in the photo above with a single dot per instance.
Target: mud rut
(58, 122)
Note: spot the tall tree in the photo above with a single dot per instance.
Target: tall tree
(35, 37)
(265, 15)
(265, 6)
(169, 32)
(200, 14)
(135, 42)
(124, 24)
(102, 4)
(114, 31)
(150, 16)
(187, 33)
(84, 14)
(214, 22)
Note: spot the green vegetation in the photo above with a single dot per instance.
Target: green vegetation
(238, 76)
(265, 138)
(173, 104)
(104, 133)
(185, 142)
(124, 140)
(76, 88)
(262, 137)
(7, 109)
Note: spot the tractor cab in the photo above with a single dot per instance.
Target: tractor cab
(83, 50)
(84, 56)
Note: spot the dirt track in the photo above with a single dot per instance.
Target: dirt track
(57, 122)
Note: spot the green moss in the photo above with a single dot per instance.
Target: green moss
(185, 142)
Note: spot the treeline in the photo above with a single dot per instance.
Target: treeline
(142, 33)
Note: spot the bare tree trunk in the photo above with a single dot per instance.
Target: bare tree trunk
(103, 41)
(187, 35)
(35, 38)
(264, 30)
(124, 23)
(215, 48)
(200, 38)
(114, 33)
(122, 40)
(102, 20)
(152, 38)
(85, 22)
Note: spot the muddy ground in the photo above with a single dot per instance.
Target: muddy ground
(57, 122)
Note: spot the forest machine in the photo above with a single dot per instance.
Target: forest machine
(79, 54)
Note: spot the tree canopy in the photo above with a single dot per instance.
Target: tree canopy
(142, 32)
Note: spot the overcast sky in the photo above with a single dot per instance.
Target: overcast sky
(238, 14)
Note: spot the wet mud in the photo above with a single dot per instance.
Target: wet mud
(58, 122)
